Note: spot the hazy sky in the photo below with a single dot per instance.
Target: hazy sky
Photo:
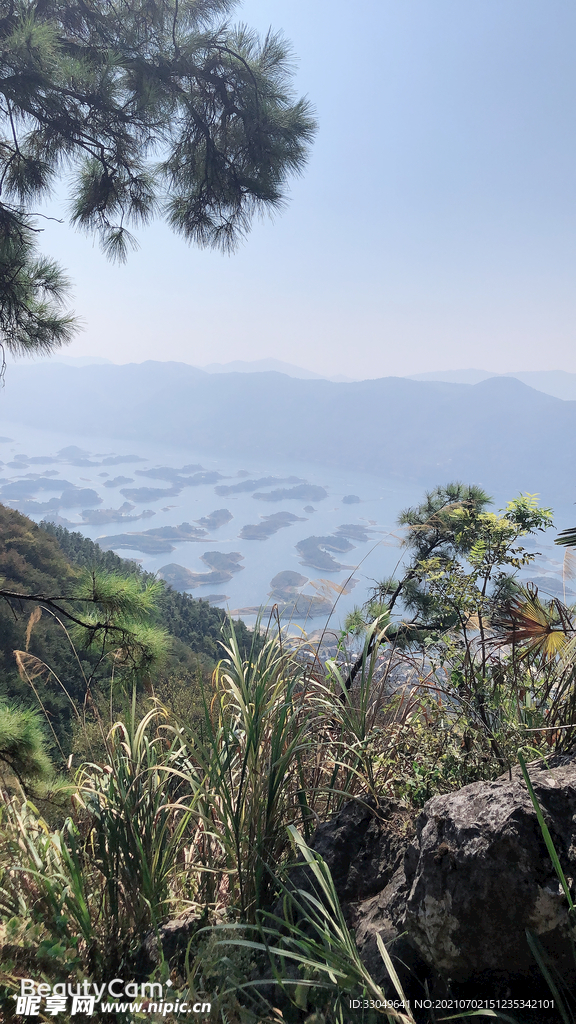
(435, 224)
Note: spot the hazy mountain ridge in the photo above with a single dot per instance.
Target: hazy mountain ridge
(267, 365)
(499, 432)
(557, 383)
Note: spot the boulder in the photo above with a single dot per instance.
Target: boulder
(479, 875)
(363, 845)
(453, 902)
(453, 892)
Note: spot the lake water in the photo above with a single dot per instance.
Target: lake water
(380, 502)
(368, 561)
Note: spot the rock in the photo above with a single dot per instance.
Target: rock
(453, 898)
(173, 938)
(480, 875)
(364, 845)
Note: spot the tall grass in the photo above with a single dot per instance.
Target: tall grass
(109, 874)
(205, 813)
(278, 746)
(312, 935)
(554, 981)
(244, 772)
(137, 824)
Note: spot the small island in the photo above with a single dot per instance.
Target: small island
(102, 516)
(223, 561)
(154, 541)
(269, 526)
(223, 565)
(353, 531)
(175, 475)
(285, 585)
(118, 481)
(315, 552)
(303, 492)
(140, 494)
(117, 460)
(252, 485)
(216, 519)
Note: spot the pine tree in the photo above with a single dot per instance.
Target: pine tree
(149, 107)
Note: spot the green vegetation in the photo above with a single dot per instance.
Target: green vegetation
(146, 108)
(204, 812)
(49, 561)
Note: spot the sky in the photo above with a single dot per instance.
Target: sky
(434, 226)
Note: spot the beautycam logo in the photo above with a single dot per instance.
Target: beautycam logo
(116, 996)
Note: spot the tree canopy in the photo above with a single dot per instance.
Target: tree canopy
(148, 108)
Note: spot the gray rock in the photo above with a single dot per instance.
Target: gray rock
(479, 875)
(173, 938)
(364, 845)
(453, 902)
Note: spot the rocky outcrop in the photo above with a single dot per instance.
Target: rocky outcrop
(465, 888)
(481, 875)
(363, 846)
(451, 890)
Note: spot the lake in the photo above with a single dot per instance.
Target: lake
(360, 536)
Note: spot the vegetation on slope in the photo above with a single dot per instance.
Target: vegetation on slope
(205, 814)
(50, 562)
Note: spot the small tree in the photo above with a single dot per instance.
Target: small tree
(461, 565)
(464, 562)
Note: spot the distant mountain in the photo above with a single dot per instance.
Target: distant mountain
(268, 365)
(499, 433)
(552, 382)
(455, 376)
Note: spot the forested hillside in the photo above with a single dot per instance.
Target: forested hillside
(45, 561)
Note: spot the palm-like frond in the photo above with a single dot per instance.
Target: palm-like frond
(540, 628)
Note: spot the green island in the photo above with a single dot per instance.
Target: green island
(156, 540)
(269, 525)
(315, 552)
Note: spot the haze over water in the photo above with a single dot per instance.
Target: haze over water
(380, 503)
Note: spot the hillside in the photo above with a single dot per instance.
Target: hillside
(499, 432)
(43, 560)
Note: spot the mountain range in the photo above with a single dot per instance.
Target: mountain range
(265, 365)
(558, 383)
(499, 432)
